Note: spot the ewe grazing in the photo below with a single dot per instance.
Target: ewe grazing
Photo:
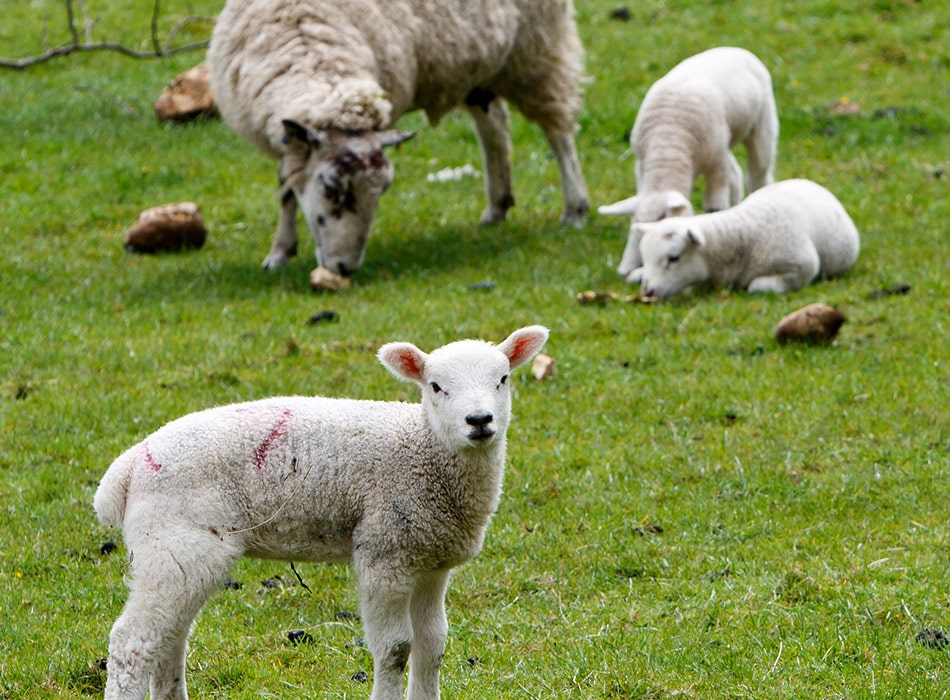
(316, 84)
(688, 124)
(403, 491)
(779, 238)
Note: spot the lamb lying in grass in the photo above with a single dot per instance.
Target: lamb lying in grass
(686, 127)
(318, 84)
(779, 238)
(402, 491)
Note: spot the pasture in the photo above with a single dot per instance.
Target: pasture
(690, 509)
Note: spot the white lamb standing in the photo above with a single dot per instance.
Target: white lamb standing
(777, 239)
(686, 127)
(403, 491)
(318, 84)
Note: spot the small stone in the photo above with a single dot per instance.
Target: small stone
(322, 278)
(299, 637)
(187, 97)
(167, 227)
(543, 367)
(814, 324)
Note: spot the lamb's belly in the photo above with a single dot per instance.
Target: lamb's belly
(302, 544)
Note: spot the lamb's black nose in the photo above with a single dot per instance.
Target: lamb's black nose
(480, 420)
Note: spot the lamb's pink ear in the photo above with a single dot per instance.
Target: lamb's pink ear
(404, 360)
(696, 236)
(524, 344)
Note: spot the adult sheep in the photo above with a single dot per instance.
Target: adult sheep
(777, 239)
(402, 491)
(686, 127)
(318, 84)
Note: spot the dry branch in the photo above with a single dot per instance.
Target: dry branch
(77, 45)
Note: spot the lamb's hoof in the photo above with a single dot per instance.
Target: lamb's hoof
(635, 276)
(274, 261)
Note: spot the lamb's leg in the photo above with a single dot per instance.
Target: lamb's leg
(576, 203)
(761, 151)
(490, 114)
(778, 284)
(166, 592)
(631, 264)
(723, 184)
(384, 605)
(429, 630)
(284, 245)
(168, 680)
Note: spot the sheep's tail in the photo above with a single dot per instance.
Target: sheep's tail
(109, 501)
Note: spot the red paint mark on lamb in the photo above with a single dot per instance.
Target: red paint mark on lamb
(148, 458)
(280, 429)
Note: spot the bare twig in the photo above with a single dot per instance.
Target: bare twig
(79, 45)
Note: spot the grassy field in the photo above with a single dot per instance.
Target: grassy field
(690, 509)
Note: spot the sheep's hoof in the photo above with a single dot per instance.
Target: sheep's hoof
(492, 216)
(635, 276)
(575, 216)
(275, 261)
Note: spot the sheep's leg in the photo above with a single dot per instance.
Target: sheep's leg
(284, 245)
(490, 115)
(723, 185)
(429, 630)
(761, 151)
(576, 203)
(778, 283)
(631, 264)
(384, 604)
(168, 679)
(167, 590)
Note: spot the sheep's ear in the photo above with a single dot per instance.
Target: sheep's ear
(696, 236)
(677, 204)
(625, 207)
(295, 132)
(523, 344)
(394, 138)
(404, 360)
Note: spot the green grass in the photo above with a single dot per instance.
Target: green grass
(690, 509)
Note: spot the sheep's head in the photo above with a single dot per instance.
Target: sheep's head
(653, 206)
(465, 385)
(673, 257)
(337, 178)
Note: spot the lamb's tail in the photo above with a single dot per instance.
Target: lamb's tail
(109, 501)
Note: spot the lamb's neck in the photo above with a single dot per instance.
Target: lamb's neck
(666, 168)
(730, 237)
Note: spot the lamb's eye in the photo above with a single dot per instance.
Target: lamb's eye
(436, 389)
(504, 380)
(672, 258)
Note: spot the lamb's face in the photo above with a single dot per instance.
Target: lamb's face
(337, 178)
(466, 394)
(465, 385)
(673, 257)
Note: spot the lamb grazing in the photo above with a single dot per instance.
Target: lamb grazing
(779, 238)
(403, 491)
(688, 124)
(318, 84)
